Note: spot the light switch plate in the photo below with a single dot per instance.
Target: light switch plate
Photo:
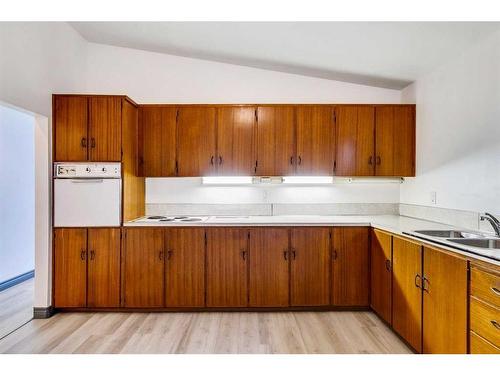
(433, 197)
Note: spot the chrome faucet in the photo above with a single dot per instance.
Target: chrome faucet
(495, 223)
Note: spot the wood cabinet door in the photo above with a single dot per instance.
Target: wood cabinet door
(143, 267)
(105, 128)
(185, 267)
(350, 274)
(355, 126)
(196, 141)
(445, 303)
(103, 285)
(275, 141)
(310, 259)
(70, 128)
(315, 140)
(381, 274)
(395, 141)
(406, 292)
(227, 267)
(157, 141)
(236, 141)
(269, 267)
(70, 267)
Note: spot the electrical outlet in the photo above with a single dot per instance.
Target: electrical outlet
(433, 197)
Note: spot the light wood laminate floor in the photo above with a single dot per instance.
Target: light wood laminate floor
(207, 332)
(16, 306)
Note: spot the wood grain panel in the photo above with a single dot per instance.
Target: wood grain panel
(310, 266)
(269, 267)
(105, 128)
(444, 303)
(70, 128)
(351, 272)
(479, 345)
(275, 141)
(70, 267)
(143, 267)
(485, 285)
(236, 141)
(103, 267)
(355, 141)
(158, 141)
(134, 204)
(315, 140)
(227, 267)
(381, 274)
(185, 267)
(196, 141)
(406, 295)
(485, 320)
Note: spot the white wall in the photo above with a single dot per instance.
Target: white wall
(458, 132)
(17, 192)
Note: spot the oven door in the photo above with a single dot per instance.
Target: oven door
(87, 202)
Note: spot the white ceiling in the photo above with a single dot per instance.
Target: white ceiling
(383, 54)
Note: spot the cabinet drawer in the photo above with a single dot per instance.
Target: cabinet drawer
(478, 345)
(486, 286)
(485, 321)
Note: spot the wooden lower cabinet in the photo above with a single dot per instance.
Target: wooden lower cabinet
(185, 267)
(310, 257)
(269, 267)
(444, 303)
(406, 292)
(103, 267)
(70, 267)
(143, 268)
(479, 345)
(227, 267)
(381, 274)
(351, 264)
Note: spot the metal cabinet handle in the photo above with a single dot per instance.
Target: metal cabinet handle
(169, 254)
(495, 290)
(293, 253)
(418, 277)
(495, 324)
(220, 160)
(300, 160)
(370, 160)
(92, 254)
(285, 254)
(83, 142)
(82, 254)
(424, 279)
(160, 255)
(335, 254)
(212, 160)
(291, 160)
(378, 160)
(387, 264)
(92, 142)
(244, 255)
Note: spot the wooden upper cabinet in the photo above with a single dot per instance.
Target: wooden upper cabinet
(315, 140)
(310, 266)
(143, 267)
(350, 274)
(236, 141)
(355, 127)
(406, 291)
(103, 267)
(275, 141)
(269, 267)
(445, 303)
(227, 267)
(185, 267)
(70, 128)
(70, 267)
(381, 274)
(105, 128)
(196, 141)
(395, 140)
(157, 141)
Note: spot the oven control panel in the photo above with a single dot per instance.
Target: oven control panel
(87, 170)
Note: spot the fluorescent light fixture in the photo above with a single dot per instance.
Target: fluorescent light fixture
(226, 180)
(308, 180)
(368, 180)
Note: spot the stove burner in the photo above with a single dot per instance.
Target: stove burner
(181, 217)
(167, 219)
(191, 219)
(156, 217)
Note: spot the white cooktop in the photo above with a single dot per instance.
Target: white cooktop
(171, 219)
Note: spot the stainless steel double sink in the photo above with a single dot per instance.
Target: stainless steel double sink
(464, 238)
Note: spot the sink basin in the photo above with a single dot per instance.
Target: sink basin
(484, 243)
(450, 233)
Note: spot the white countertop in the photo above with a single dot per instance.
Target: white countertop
(396, 224)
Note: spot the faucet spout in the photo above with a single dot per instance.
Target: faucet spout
(495, 223)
